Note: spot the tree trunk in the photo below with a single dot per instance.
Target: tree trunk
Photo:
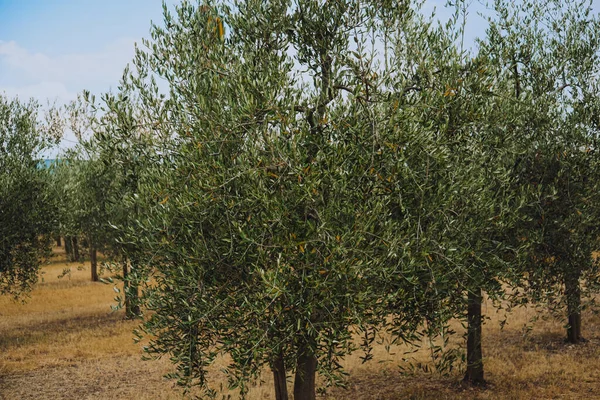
(474, 374)
(128, 311)
(279, 378)
(304, 382)
(75, 249)
(69, 248)
(58, 241)
(132, 308)
(94, 262)
(573, 294)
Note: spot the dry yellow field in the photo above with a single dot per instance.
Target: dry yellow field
(66, 343)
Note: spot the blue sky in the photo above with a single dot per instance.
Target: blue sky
(57, 48)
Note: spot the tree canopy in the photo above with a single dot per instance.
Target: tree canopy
(27, 211)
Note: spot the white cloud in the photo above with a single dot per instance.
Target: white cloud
(61, 77)
(51, 91)
(58, 79)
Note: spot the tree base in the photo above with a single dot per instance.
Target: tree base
(581, 340)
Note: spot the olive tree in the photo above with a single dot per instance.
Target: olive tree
(122, 150)
(459, 196)
(267, 215)
(550, 49)
(27, 212)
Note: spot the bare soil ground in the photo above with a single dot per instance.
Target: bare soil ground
(66, 343)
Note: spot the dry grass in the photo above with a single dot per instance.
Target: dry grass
(65, 343)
